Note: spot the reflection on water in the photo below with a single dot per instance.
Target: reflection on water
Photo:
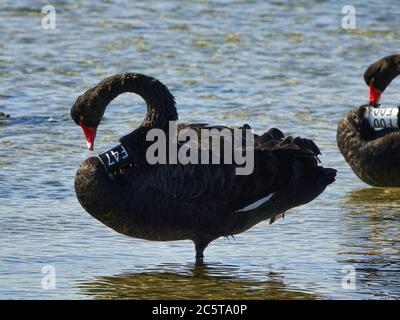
(196, 281)
(371, 239)
(374, 198)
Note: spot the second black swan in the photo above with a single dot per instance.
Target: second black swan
(374, 156)
(198, 202)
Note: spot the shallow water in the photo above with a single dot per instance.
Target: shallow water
(228, 62)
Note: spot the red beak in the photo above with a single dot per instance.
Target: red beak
(374, 94)
(90, 135)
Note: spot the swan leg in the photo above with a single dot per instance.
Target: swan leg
(200, 246)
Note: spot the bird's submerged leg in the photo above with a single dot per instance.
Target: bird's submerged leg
(200, 245)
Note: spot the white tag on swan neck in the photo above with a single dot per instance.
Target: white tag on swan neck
(382, 118)
(116, 160)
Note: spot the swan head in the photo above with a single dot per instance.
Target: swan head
(379, 75)
(89, 108)
(87, 112)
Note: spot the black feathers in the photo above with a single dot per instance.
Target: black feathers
(191, 201)
(372, 155)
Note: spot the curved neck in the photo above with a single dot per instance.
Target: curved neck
(160, 102)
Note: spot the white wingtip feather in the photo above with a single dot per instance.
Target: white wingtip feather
(256, 204)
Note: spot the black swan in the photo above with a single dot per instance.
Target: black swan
(372, 155)
(197, 202)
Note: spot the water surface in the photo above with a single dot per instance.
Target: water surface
(227, 62)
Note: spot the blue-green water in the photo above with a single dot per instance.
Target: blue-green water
(288, 65)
